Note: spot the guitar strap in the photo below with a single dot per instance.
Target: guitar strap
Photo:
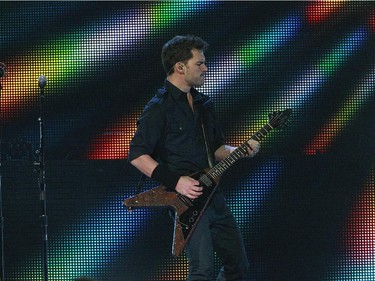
(140, 183)
(207, 144)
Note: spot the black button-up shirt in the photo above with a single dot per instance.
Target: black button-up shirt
(170, 132)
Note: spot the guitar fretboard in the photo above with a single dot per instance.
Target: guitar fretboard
(217, 171)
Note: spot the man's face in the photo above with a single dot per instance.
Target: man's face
(195, 69)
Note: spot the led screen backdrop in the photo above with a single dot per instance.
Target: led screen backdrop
(305, 204)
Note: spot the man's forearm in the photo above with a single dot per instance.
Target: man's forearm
(145, 163)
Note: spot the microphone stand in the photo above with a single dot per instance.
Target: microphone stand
(1, 197)
(42, 181)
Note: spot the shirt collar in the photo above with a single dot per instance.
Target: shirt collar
(177, 93)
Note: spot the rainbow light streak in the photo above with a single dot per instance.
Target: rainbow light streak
(90, 242)
(359, 238)
(361, 95)
(345, 50)
(268, 42)
(218, 76)
(297, 94)
(80, 52)
(70, 55)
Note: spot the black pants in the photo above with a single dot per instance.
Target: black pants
(217, 231)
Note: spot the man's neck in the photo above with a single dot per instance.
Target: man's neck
(178, 83)
(190, 100)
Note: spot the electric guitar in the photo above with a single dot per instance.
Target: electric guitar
(187, 211)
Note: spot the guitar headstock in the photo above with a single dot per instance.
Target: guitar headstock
(278, 119)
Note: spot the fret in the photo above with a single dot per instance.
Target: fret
(265, 129)
(226, 162)
(260, 132)
(257, 138)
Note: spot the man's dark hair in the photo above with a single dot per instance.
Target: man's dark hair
(179, 49)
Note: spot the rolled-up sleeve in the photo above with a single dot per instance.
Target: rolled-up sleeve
(149, 130)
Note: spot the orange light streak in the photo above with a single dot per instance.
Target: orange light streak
(114, 141)
(319, 11)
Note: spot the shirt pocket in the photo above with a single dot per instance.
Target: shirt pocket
(180, 133)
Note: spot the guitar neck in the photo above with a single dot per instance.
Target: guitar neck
(217, 171)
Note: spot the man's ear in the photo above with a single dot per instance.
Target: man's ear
(181, 67)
